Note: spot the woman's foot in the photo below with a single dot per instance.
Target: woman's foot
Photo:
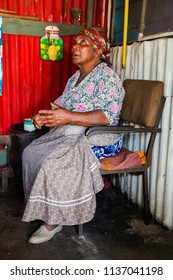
(44, 233)
(50, 227)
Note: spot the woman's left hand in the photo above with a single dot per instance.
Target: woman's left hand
(55, 117)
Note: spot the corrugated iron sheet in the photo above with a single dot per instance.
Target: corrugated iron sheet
(30, 83)
(152, 60)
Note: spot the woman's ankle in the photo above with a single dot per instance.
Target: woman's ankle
(50, 227)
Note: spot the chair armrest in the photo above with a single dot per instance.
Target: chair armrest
(119, 129)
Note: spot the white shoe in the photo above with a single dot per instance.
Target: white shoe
(42, 234)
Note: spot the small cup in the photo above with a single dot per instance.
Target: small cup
(28, 125)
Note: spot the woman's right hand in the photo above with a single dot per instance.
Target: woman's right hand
(37, 121)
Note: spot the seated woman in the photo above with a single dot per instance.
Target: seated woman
(61, 173)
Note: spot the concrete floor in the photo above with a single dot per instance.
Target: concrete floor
(116, 233)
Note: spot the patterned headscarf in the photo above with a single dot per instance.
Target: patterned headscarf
(99, 39)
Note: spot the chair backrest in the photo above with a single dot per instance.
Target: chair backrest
(142, 101)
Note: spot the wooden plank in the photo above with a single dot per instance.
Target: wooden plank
(36, 28)
(7, 11)
(90, 13)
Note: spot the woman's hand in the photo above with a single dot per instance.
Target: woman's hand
(36, 121)
(54, 117)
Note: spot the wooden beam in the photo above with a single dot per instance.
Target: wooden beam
(27, 27)
(90, 13)
(112, 24)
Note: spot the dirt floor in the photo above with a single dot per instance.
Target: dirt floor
(117, 232)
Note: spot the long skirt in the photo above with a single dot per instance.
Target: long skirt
(61, 177)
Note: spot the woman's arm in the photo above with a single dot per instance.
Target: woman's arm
(61, 116)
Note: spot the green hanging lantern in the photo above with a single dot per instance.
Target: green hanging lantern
(51, 45)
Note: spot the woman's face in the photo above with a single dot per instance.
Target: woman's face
(84, 51)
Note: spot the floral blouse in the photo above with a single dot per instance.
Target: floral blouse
(101, 89)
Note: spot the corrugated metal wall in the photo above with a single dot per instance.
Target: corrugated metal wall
(30, 83)
(152, 60)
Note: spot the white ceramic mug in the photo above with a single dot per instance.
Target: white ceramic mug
(28, 125)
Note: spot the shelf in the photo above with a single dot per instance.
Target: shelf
(30, 27)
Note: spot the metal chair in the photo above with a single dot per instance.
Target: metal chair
(142, 106)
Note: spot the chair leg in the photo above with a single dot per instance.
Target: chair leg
(146, 199)
(79, 229)
(118, 184)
